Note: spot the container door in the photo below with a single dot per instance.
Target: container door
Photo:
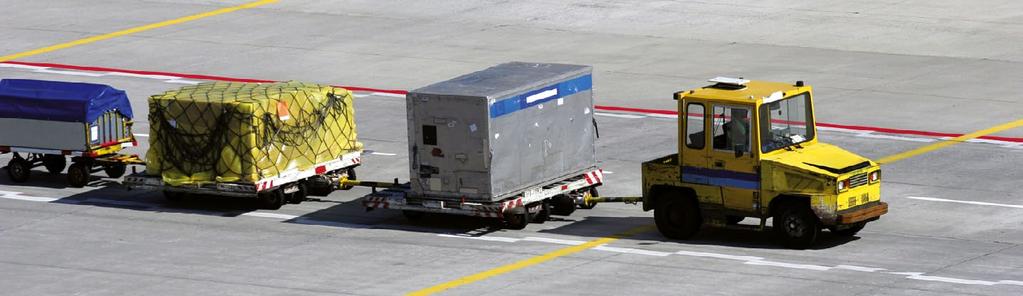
(694, 150)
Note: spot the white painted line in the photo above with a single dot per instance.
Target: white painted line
(4, 65)
(628, 116)
(357, 95)
(76, 73)
(920, 276)
(899, 138)
(788, 265)
(182, 81)
(29, 198)
(150, 76)
(383, 94)
(632, 251)
(608, 172)
(979, 203)
(270, 215)
(859, 268)
(719, 256)
(662, 115)
(307, 221)
(483, 238)
(141, 135)
(383, 153)
(1007, 282)
(554, 241)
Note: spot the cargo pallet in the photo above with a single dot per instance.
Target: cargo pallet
(534, 204)
(291, 186)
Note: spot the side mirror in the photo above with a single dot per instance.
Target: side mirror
(739, 149)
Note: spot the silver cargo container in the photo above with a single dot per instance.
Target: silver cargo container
(489, 135)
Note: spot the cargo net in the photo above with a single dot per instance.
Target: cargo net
(245, 132)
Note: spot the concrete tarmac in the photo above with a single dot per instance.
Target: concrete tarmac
(940, 66)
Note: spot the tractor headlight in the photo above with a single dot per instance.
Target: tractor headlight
(843, 185)
(874, 177)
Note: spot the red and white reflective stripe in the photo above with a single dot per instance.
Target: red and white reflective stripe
(376, 202)
(265, 185)
(595, 177)
(511, 204)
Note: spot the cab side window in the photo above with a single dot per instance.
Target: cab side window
(731, 128)
(695, 126)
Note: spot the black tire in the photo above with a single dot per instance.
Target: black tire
(677, 217)
(562, 205)
(516, 221)
(733, 220)
(54, 163)
(851, 231)
(299, 196)
(351, 176)
(172, 196)
(19, 169)
(796, 226)
(272, 200)
(115, 170)
(78, 174)
(544, 214)
(413, 215)
(587, 206)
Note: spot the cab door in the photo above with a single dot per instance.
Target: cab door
(732, 160)
(694, 146)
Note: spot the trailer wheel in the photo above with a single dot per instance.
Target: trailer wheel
(413, 215)
(516, 221)
(54, 163)
(272, 200)
(851, 231)
(796, 226)
(677, 217)
(299, 196)
(78, 174)
(351, 176)
(115, 170)
(562, 205)
(587, 206)
(19, 169)
(544, 214)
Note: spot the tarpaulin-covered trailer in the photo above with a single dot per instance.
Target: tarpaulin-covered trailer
(275, 141)
(48, 120)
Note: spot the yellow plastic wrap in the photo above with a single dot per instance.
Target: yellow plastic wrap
(245, 132)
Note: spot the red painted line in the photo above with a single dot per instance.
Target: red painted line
(402, 92)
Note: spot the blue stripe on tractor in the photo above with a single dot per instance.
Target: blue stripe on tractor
(720, 178)
(518, 102)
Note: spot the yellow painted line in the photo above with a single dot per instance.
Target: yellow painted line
(530, 261)
(950, 142)
(134, 30)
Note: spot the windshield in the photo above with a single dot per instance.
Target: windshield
(785, 122)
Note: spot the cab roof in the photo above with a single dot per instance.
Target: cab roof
(740, 94)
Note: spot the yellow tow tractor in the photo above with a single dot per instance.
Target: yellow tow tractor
(750, 149)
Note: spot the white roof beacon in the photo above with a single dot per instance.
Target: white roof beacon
(738, 82)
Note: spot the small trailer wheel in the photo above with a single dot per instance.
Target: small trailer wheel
(19, 169)
(115, 170)
(54, 163)
(272, 200)
(299, 196)
(544, 214)
(562, 205)
(78, 174)
(516, 221)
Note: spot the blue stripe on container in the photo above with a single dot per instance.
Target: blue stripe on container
(720, 177)
(518, 102)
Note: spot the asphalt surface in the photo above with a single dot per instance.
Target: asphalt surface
(939, 66)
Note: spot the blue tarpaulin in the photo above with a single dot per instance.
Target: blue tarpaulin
(60, 101)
